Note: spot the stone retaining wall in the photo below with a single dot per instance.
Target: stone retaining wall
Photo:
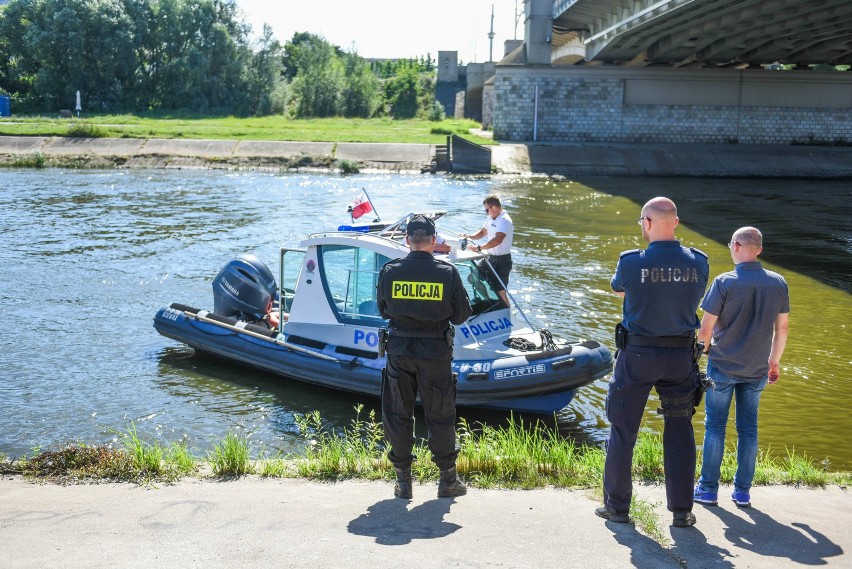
(671, 106)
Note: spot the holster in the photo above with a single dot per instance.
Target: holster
(449, 336)
(620, 336)
(697, 351)
(704, 383)
(383, 341)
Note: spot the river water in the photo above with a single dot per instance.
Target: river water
(89, 257)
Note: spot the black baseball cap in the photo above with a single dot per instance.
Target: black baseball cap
(420, 225)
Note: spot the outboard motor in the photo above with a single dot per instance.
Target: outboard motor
(244, 288)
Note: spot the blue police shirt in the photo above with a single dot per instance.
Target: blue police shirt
(663, 285)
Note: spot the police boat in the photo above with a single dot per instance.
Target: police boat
(322, 325)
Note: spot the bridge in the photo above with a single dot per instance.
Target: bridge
(676, 71)
(694, 33)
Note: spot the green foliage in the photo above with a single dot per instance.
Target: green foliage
(327, 82)
(191, 54)
(85, 130)
(34, 160)
(147, 459)
(175, 124)
(81, 461)
(437, 113)
(402, 92)
(357, 452)
(349, 166)
(179, 461)
(231, 457)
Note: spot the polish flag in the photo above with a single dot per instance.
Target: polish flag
(360, 206)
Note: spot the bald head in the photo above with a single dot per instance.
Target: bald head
(746, 244)
(749, 237)
(660, 219)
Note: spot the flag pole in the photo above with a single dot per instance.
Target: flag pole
(378, 217)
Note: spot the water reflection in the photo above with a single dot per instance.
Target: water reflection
(91, 255)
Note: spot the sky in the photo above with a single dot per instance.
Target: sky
(393, 28)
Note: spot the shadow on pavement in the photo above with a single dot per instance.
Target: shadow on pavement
(691, 549)
(392, 523)
(766, 537)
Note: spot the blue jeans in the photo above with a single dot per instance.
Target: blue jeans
(717, 404)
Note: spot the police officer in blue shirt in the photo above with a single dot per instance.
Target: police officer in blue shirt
(661, 287)
(421, 296)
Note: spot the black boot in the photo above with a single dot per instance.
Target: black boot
(449, 485)
(402, 488)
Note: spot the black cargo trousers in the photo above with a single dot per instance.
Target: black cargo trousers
(433, 379)
(674, 374)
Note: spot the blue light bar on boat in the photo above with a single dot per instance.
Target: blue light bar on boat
(361, 228)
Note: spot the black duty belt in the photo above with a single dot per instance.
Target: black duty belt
(500, 256)
(393, 333)
(661, 341)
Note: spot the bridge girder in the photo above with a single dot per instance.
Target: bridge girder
(707, 32)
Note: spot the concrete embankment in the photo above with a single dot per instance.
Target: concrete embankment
(254, 522)
(568, 160)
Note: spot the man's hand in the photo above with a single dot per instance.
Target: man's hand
(774, 372)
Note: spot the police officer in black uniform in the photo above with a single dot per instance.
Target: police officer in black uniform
(421, 296)
(661, 286)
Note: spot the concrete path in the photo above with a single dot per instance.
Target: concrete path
(253, 522)
(569, 160)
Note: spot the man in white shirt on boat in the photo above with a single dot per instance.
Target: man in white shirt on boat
(499, 230)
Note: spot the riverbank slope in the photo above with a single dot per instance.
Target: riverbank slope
(569, 160)
(253, 522)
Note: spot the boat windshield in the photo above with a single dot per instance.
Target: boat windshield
(349, 276)
(482, 297)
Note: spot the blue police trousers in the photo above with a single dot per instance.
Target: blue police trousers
(674, 374)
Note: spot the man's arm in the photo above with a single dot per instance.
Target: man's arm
(496, 240)
(779, 342)
(705, 333)
(479, 234)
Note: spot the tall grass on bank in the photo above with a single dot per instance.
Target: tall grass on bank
(525, 456)
(85, 130)
(32, 160)
(231, 457)
(356, 452)
(517, 455)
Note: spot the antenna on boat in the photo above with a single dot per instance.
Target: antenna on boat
(511, 298)
(378, 217)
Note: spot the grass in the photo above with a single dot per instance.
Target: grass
(161, 125)
(231, 456)
(33, 160)
(518, 455)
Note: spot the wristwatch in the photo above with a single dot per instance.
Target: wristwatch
(479, 248)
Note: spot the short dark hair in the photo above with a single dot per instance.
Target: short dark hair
(492, 199)
(420, 240)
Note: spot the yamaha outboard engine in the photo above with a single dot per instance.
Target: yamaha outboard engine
(244, 288)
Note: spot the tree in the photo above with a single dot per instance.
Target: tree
(362, 92)
(402, 92)
(264, 74)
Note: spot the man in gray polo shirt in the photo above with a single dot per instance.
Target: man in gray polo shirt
(746, 313)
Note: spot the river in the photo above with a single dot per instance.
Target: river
(90, 255)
